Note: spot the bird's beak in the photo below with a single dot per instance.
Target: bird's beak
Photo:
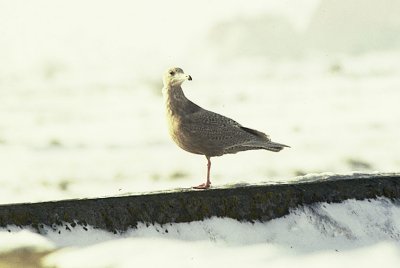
(188, 77)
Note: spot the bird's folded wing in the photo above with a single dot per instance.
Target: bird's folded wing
(208, 125)
(205, 117)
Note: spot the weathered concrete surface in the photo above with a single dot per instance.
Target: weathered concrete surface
(245, 203)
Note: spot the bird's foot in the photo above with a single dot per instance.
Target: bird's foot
(203, 186)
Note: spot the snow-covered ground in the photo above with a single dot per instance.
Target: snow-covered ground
(81, 115)
(60, 141)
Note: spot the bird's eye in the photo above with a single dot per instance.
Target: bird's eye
(171, 72)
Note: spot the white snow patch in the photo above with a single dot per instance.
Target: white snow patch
(16, 238)
(158, 252)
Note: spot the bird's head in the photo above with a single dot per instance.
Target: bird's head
(175, 77)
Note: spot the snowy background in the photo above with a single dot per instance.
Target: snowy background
(81, 111)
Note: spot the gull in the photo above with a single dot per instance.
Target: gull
(199, 131)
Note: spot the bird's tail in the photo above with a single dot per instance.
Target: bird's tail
(274, 146)
(269, 145)
(263, 141)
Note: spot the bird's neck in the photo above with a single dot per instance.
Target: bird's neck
(173, 93)
(175, 99)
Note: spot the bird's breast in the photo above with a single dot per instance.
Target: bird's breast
(179, 135)
(173, 125)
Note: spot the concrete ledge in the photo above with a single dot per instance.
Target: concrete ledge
(242, 202)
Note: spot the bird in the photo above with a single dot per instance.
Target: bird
(200, 131)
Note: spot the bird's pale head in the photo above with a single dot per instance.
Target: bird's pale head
(175, 77)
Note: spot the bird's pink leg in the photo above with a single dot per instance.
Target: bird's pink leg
(207, 184)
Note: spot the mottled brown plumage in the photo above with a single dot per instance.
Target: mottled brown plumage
(200, 131)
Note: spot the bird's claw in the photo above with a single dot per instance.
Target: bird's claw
(202, 186)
